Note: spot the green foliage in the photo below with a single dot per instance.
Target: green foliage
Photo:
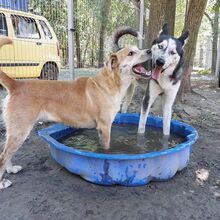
(122, 13)
(204, 72)
(87, 13)
(180, 16)
(216, 5)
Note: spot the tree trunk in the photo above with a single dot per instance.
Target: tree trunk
(77, 37)
(217, 70)
(215, 39)
(92, 51)
(192, 24)
(186, 10)
(136, 4)
(84, 53)
(170, 15)
(161, 11)
(92, 42)
(201, 52)
(137, 13)
(105, 8)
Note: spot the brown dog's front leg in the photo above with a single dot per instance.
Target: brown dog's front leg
(104, 132)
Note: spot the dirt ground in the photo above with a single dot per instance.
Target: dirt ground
(44, 190)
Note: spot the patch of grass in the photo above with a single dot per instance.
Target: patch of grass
(65, 74)
(204, 72)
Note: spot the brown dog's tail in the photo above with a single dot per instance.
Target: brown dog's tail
(5, 80)
(121, 32)
(5, 40)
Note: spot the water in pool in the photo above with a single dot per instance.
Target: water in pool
(124, 140)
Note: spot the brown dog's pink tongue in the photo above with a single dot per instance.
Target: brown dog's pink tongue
(156, 72)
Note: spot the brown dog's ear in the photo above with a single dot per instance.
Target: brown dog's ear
(113, 62)
(5, 40)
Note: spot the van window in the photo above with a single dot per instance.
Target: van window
(25, 27)
(3, 25)
(46, 30)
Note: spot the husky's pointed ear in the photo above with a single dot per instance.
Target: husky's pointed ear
(183, 38)
(164, 30)
(112, 63)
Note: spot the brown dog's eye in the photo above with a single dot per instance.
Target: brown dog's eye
(130, 53)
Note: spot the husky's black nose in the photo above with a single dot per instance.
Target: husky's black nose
(160, 62)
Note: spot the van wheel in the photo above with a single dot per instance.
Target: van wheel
(49, 72)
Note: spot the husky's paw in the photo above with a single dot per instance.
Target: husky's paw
(13, 169)
(124, 109)
(5, 184)
(141, 140)
(165, 141)
(141, 130)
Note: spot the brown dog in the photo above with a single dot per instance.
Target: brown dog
(84, 103)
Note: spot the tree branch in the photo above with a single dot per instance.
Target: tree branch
(209, 18)
(136, 3)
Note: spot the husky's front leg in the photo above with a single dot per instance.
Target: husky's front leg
(167, 103)
(145, 108)
(153, 90)
(167, 113)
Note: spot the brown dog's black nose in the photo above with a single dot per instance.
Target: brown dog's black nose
(148, 51)
(160, 62)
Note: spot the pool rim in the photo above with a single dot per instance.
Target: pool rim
(191, 138)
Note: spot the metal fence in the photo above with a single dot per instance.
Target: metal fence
(15, 4)
(40, 46)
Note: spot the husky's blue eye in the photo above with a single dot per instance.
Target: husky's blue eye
(172, 52)
(160, 46)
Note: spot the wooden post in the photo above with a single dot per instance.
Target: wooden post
(219, 79)
(141, 24)
(71, 30)
(217, 69)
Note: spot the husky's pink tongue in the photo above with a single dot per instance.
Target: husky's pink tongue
(156, 72)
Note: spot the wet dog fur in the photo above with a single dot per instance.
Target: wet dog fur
(167, 70)
(167, 58)
(84, 103)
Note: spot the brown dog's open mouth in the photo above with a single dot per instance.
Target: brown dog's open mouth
(140, 70)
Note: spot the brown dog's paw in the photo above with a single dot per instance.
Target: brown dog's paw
(5, 184)
(13, 169)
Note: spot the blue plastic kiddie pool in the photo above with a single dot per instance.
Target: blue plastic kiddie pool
(122, 169)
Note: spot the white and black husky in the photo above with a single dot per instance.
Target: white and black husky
(167, 64)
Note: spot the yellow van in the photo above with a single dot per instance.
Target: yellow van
(35, 50)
